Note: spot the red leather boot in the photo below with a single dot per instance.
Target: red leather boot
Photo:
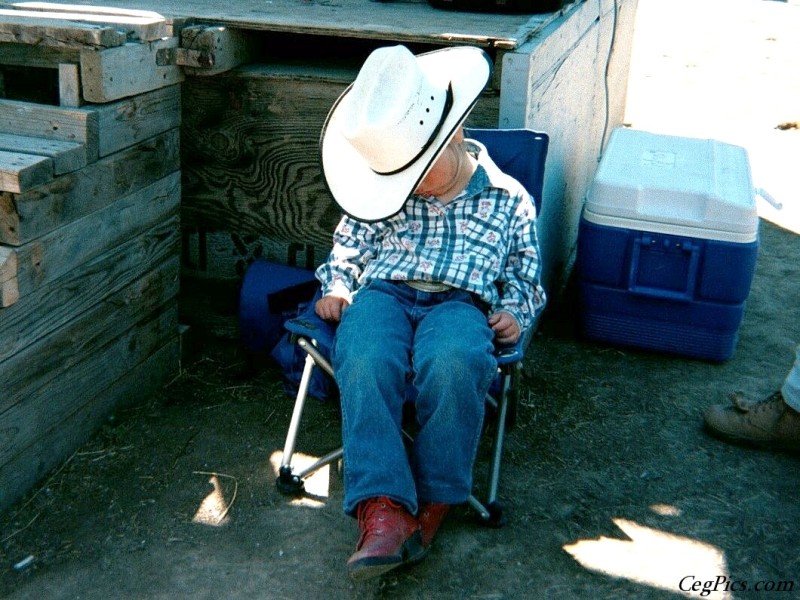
(390, 536)
(430, 518)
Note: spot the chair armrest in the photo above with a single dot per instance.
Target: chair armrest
(309, 325)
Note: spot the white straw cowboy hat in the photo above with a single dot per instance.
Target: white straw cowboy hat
(388, 128)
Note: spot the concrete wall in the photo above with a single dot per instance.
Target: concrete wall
(570, 82)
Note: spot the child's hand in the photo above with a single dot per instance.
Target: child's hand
(505, 327)
(331, 308)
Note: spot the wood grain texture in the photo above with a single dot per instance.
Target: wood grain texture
(54, 305)
(54, 357)
(250, 152)
(54, 444)
(399, 21)
(53, 255)
(25, 217)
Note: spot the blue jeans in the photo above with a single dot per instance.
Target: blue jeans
(393, 343)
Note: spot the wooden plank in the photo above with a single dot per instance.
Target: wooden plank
(78, 125)
(38, 56)
(65, 156)
(69, 85)
(53, 305)
(20, 172)
(114, 73)
(136, 24)
(385, 21)
(208, 51)
(51, 256)
(56, 445)
(127, 122)
(57, 33)
(69, 197)
(9, 286)
(41, 400)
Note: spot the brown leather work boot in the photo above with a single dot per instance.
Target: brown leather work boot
(390, 536)
(430, 518)
(770, 423)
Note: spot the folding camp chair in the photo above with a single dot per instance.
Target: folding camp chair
(520, 153)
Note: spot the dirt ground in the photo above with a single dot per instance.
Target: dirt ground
(611, 488)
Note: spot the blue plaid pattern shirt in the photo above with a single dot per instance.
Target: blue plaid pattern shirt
(484, 242)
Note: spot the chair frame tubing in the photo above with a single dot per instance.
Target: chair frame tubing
(288, 482)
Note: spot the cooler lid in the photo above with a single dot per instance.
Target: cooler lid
(670, 182)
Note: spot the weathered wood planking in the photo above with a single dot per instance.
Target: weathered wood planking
(69, 85)
(38, 400)
(54, 305)
(102, 128)
(78, 125)
(57, 33)
(25, 217)
(250, 153)
(49, 257)
(56, 445)
(250, 158)
(21, 172)
(210, 50)
(132, 120)
(390, 21)
(66, 156)
(9, 285)
(37, 56)
(135, 24)
(113, 73)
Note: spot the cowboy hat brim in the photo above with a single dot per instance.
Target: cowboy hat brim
(369, 196)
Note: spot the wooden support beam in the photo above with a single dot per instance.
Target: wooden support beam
(53, 306)
(114, 73)
(69, 85)
(21, 172)
(37, 56)
(132, 120)
(211, 50)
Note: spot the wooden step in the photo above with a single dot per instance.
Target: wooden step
(65, 156)
(20, 172)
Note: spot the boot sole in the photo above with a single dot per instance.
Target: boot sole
(774, 445)
(373, 566)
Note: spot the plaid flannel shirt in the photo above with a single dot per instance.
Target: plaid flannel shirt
(484, 242)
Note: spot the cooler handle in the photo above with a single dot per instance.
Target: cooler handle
(656, 292)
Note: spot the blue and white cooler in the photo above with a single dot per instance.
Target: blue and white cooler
(667, 245)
